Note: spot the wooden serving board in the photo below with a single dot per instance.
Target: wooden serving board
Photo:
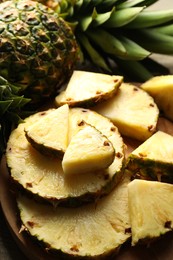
(162, 249)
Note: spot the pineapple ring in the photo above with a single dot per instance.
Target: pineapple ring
(43, 176)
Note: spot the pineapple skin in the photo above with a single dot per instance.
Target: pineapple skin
(38, 49)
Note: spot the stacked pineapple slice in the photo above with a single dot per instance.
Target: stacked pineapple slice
(70, 155)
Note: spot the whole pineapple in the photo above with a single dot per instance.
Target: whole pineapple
(119, 33)
(37, 48)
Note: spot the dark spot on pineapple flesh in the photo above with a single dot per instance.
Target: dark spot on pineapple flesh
(116, 80)
(106, 143)
(29, 185)
(168, 224)
(113, 129)
(30, 223)
(43, 114)
(74, 248)
(150, 128)
(81, 123)
(118, 155)
(151, 105)
(135, 89)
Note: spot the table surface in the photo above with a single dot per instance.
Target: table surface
(9, 250)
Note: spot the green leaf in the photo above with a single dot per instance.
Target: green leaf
(102, 18)
(155, 42)
(133, 50)
(4, 105)
(151, 18)
(94, 55)
(108, 43)
(122, 17)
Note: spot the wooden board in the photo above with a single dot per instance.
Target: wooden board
(161, 249)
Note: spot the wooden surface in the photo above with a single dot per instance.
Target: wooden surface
(9, 248)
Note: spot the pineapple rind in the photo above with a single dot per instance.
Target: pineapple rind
(92, 231)
(150, 209)
(153, 159)
(38, 51)
(43, 176)
(132, 110)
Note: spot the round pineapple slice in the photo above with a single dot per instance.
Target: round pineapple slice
(89, 231)
(89, 150)
(87, 88)
(49, 135)
(150, 209)
(43, 175)
(132, 110)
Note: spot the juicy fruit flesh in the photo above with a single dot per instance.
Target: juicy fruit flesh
(132, 110)
(89, 230)
(38, 49)
(150, 209)
(49, 135)
(44, 177)
(89, 87)
(88, 151)
(161, 88)
(153, 159)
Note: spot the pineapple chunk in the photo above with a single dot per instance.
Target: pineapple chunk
(153, 159)
(132, 110)
(49, 134)
(43, 175)
(161, 89)
(91, 231)
(150, 209)
(88, 88)
(88, 151)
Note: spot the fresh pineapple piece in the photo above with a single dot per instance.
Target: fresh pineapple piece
(161, 89)
(43, 175)
(150, 209)
(49, 134)
(88, 151)
(132, 110)
(92, 231)
(107, 128)
(153, 159)
(87, 88)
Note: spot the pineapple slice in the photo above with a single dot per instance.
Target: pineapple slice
(89, 150)
(88, 88)
(132, 110)
(49, 134)
(43, 175)
(161, 89)
(153, 159)
(150, 209)
(92, 231)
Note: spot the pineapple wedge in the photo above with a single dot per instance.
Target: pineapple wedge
(132, 110)
(89, 150)
(49, 134)
(87, 88)
(161, 89)
(91, 231)
(150, 209)
(153, 159)
(43, 175)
